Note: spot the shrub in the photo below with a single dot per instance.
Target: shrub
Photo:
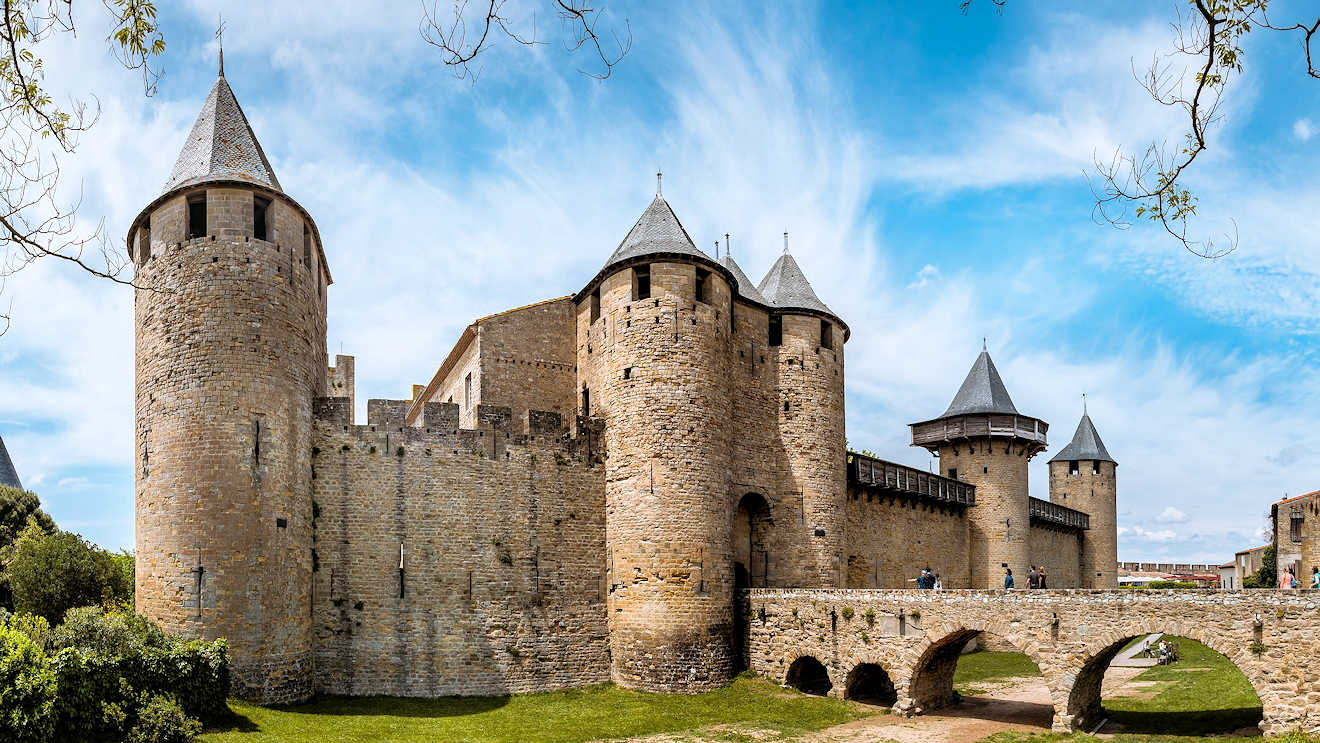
(52, 573)
(162, 720)
(108, 632)
(17, 509)
(27, 689)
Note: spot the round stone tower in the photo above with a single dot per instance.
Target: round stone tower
(807, 339)
(983, 440)
(230, 346)
(653, 339)
(1083, 476)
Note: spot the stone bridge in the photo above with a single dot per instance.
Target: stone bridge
(907, 643)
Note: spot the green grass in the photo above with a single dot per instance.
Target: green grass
(593, 713)
(1217, 700)
(983, 665)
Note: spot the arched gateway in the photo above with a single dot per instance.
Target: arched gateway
(913, 638)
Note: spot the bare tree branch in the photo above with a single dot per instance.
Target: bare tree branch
(450, 35)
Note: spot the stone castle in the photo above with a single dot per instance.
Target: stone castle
(579, 493)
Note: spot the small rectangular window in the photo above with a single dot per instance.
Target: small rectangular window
(595, 304)
(197, 215)
(307, 244)
(467, 391)
(586, 402)
(1095, 467)
(776, 331)
(703, 285)
(144, 242)
(260, 212)
(1295, 526)
(953, 473)
(641, 283)
(627, 372)
(1072, 467)
(826, 334)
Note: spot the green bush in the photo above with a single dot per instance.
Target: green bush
(162, 720)
(17, 508)
(108, 632)
(27, 689)
(52, 573)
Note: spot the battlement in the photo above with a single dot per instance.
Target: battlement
(495, 436)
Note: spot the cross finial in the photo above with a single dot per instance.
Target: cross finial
(785, 243)
(658, 176)
(220, 37)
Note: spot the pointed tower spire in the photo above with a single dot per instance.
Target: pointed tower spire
(1085, 444)
(982, 391)
(786, 287)
(8, 475)
(222, 146)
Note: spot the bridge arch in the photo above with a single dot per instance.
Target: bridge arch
(930, 685)
(1084, 708)
(870, 682)
(809, 675)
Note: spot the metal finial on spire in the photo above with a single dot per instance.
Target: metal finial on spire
(658, 176)
(1083, 403)
(717, 250)
(785, 243)
(984, 344)
(726, 246)
(220, 37)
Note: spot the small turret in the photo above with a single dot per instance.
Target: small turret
(1085, 477)
(982, 439)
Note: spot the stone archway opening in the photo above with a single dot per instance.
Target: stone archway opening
(1192, 689)
(870, 684)
(809, 676)
(998, 682)
(751, 555)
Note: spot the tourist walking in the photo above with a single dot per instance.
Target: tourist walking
(1033, 578)
(1041, 580)
(939, 584)
(1008, 578)
(1315, 577)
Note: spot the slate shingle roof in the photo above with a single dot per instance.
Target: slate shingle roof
(1085, 444)
(8, 475)
(746, 289)
(222, 146)
(657, 231)
(982, 391)
(786, 287)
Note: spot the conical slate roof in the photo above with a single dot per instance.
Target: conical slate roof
(8, 475)
(982, 391)
(746, 289)
(786, 287)
(658, 231)
(1085, 444)
(222, 146)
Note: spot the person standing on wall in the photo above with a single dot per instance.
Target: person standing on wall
(1040, 581)
(1033, 578)
(1315, 577)
(1008, 579)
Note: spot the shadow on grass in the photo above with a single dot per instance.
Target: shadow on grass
(231, 722)
(1191, 722)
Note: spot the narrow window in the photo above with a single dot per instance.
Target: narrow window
(307, 244)
(953, 473)
(703, 285)
(197, 215)
(467, 391)
(627, 372)
(641, 283)
(260, 209)
(595, 304)
(1095, 467)
(1295, 525)
(586, 402)
(826, 334)
(144, 242)
(776, 330)
(1072, 467)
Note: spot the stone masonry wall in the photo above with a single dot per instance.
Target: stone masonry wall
(1059, 549)
(528, 359)
(999, 525)
(230, 350)
(503, 543)
(1095, 494)
(890, 539)
(916, 637)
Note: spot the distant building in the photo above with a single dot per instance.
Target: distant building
(1228, 577)
(8, 475)
(1247, 562)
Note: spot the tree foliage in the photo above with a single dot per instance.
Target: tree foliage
(37, 131)
(18, 508)
(50, 574)
(1268, 574)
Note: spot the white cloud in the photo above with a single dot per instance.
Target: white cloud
(1172, 515)
(1142, 534)
(924, 276)
(1303, 130)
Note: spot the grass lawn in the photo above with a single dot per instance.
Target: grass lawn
(982, 665)
(556, 717)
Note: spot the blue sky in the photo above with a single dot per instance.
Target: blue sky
(930, 167)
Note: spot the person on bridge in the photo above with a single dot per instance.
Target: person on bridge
(1315, 577)
(1041, 581)
(1008, 579)
(1033, 578)
(1287, 579)
(939, 584)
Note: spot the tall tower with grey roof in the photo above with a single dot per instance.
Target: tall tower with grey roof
(1084, 476)
(8, 475)
(982, 439)
(807, 338)
(230, 350)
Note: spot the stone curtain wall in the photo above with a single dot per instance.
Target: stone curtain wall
(528, 357)
(1059, 549)
(503, 540)
(890, 539)
(230, 350)
(916, 637)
